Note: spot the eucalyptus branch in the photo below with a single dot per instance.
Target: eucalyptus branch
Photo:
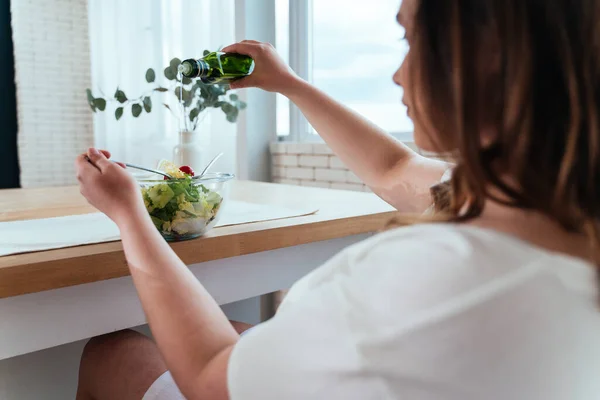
(198, 98)
(172, 113)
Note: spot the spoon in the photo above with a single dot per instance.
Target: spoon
(210, 164)
(154, 171)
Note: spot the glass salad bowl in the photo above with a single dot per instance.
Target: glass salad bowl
(185, 208)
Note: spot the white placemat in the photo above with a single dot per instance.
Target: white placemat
(75, 230)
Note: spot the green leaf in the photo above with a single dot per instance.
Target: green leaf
(120, 96)
(187, 101)
(100, 104)
(147, 104)
(194, 114)
(213, 90)
(205, 53)
(233, 97)
(194, 90)
(231, 118)
(158, 223)
(150, 75)
(186, 96)
(186, 81)
(167, 106)
(136, 110)
(161, 89)
(226, 107)
(169, 74)
(119, 113)
(204, 93)
(219, 104)
(174, 64)
(242, 105)
(90, 97)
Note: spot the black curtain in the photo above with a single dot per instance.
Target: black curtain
(9, 165)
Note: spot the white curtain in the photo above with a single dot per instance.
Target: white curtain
(127, 38)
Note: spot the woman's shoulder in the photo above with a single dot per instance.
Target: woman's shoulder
(459, 245)
(422, 265)
(451, 259)
(444, 258)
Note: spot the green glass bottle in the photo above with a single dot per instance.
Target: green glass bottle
(218, 67)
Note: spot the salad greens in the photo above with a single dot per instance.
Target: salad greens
(181, 207)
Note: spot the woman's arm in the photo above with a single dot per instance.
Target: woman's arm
(192, 333)
(392, 170)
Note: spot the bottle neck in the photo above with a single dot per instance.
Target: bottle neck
(194, 68)
(203, 68)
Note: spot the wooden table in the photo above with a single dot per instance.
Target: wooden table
(54, 297)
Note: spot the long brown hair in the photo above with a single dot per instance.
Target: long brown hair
(528, 71)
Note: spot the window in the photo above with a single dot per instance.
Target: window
(354, 52)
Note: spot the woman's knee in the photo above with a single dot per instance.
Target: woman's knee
(240, 327)
(119, 363)
(112, 344)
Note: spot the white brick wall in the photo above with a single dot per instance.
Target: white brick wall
(348, 186)
(336, 163)
(330, 175)
(312, 164)
(301, 173)
(313, 161)
(52, 71)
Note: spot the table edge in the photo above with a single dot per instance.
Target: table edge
(57, 273)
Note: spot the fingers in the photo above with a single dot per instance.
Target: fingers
(246, 47)
(240, 48)
(106, 153)
(91, 164)
(84, 168)
(239, 84)
(98, 159)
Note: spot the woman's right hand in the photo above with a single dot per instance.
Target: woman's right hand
(270, 73)
(108, 187)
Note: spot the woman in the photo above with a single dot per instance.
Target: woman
(497, 299)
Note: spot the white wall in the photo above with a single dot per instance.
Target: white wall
(315, 164)
(52, 374)
(52, 72)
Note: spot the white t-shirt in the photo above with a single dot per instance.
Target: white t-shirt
(435, 311)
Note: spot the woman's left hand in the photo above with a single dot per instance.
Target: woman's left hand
(108, 187)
